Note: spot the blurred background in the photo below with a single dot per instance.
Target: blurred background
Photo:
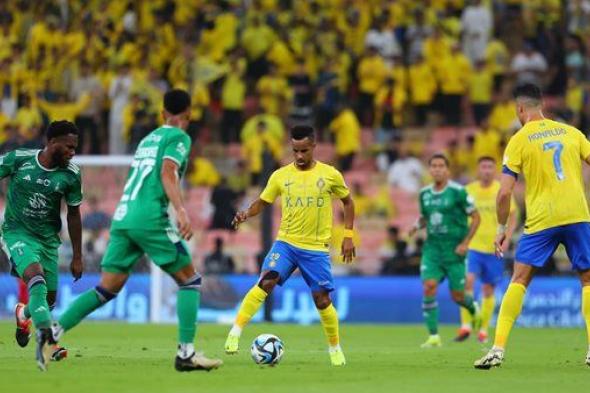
(386, 83)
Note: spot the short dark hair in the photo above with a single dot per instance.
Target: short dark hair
(486, 158)
(176, 101)
(528, 90)
(300, 132)
(440, 156)
(61, 128)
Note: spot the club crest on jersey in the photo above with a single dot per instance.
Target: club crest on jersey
(38, 201)
(320, 183)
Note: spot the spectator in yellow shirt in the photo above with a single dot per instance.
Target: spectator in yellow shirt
(233, 94)
(487, 143)
(28, 118)
(203, 173)
(254, 150)
(63, 110)
(371, 73)
(257, 39)
(347, 131)
(503, 118)
(454, 73)
(481, 86)
(389, 105)
(422, 89)
(274, 92)
(498, 59)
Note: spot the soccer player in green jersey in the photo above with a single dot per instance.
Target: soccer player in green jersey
(445, 208)
(141, 226)
(39, 180)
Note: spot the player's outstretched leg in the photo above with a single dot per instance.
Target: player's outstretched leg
(509, 311)
(187, 306)
(39, 312)
(249, 307)
(329, 320)
(430, 312)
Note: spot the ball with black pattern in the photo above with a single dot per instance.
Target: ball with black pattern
(267, 349)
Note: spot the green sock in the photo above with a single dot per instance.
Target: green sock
(430, 312)
(187, 305)
(82, 306)
(38, 304)
(468, 303)
(27, 312)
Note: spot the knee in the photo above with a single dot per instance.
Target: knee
(429, 289)
(321, 300)
(192, 283)
(104, 295)
(268, 281)
(487, 290)
(458, 297)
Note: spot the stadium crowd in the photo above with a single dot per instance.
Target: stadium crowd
(379, 79)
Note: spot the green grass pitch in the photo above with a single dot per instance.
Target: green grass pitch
(114, 357)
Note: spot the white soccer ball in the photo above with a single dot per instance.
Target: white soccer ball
(267, 349)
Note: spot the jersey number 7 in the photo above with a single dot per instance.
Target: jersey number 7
(558, 148)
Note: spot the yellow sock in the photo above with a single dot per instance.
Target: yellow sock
(329, 319)
(465, 316)
(586, 309)
(509, 311)
(250, 305)
(488, 304)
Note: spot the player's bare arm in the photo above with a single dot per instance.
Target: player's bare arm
(253, 210)
(348, 251)
(171, 184)
(507, 183)
(75, 231)
(420, 223)
(510, 228)
(464, 245)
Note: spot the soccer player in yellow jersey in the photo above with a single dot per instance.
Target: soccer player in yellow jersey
(482, 262)
(549, 155)
(306, 188)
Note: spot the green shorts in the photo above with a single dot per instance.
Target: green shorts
(23, 250)
(439, 261)
(163, 246)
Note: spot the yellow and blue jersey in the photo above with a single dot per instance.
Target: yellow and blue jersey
(549, 155)
(306, 202)
(485, 203)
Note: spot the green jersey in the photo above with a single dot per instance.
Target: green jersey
(446, 212)
(144, 203)
(33, 201)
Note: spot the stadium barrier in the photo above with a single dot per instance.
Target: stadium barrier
(551, 302)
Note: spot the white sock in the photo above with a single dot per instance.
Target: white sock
(334, 348)
(236, 330)
(466, 326)
(185, 350)
(497, 349)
